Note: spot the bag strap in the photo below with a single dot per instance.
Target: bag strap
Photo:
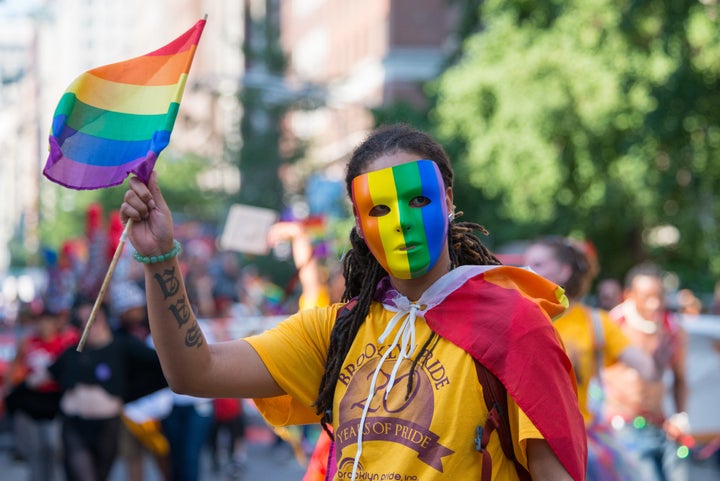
(495, 396)
(596, 390)
(598, 340)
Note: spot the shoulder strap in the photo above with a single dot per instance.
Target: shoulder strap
(348, 306)
(598, 340)
(495, 396)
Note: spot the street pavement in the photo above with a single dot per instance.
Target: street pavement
(266, 461)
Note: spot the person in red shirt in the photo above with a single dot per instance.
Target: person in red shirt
(229, 418)
(33, 396)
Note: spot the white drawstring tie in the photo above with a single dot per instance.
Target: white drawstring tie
(406, 312)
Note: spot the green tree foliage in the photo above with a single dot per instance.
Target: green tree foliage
(264, 105)
(592, 117)
(259, 158)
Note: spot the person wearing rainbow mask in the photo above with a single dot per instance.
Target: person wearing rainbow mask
(393, 369)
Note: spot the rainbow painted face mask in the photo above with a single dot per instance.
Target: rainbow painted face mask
(403, 216)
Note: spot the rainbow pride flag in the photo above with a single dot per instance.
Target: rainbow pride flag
(116, 119)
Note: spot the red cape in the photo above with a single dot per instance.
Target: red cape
(502, 317)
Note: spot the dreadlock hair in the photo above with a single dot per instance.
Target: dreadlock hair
(361, 270)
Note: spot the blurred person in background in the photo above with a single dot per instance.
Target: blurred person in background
(227, 436)
(232, 305)
(716, 298)
(63, 271)
(97, 241)
(226, 273)
(33, 398)
(227, 431)
(307, 265)
(188, 424)
(688, 303)
(200, 277)
(634, 405)
(141, 433)
(609, 293)
(315, 293)
(96, 382)
(592, 342)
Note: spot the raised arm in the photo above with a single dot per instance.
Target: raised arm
(190, 364)
(306, 263)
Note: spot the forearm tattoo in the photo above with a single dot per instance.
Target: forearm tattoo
(170, 285)
(181, 311)
(168, 282)
(194, 336)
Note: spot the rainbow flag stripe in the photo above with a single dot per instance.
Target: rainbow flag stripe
(116, 119)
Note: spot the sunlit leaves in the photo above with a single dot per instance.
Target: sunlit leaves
(597, 116)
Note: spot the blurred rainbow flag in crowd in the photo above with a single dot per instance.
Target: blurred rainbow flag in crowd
(116, 119)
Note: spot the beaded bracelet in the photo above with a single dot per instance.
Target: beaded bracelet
(162, 257)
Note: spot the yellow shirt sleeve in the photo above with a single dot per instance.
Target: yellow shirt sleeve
(294, 353)
(520, 423)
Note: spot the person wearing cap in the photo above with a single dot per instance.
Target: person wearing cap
(96, 382)
(141, 433)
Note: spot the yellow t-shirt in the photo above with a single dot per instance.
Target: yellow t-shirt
(428, 436)
(576, 330)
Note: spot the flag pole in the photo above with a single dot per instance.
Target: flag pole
(106, 282)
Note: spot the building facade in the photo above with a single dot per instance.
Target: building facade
(360, 55)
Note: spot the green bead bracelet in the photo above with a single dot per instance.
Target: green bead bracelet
(162, 257)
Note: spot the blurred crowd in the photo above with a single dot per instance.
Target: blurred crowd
(76, 411)
(629, 351)
(76, 408)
